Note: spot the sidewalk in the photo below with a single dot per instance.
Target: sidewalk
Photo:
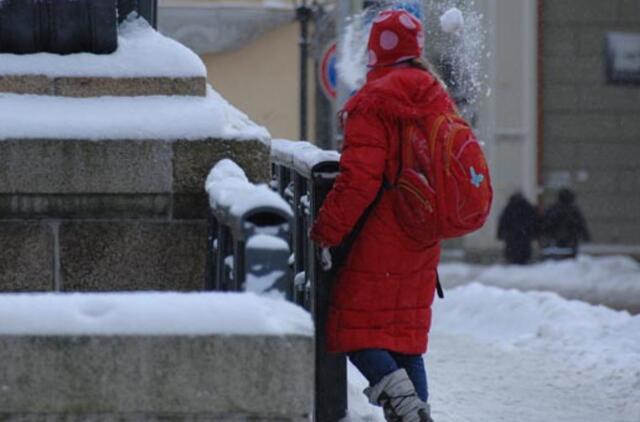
(471, 381)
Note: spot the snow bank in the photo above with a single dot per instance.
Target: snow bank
(161, 314)
(600, 346)
(612, 280)
(142, 52)
(596, 339)
(156, 118)
(229, 189)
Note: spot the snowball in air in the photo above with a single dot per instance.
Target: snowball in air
(452, 21)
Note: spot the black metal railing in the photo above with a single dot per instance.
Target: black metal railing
(302, 176)
(248, 240)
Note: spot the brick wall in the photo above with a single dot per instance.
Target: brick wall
(591, 128)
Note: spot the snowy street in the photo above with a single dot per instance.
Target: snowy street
(505, 355)
(473, 381)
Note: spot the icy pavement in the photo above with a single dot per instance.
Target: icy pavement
(471, 381)
(504, 355)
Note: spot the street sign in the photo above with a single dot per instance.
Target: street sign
(328, 73)
(623, 58)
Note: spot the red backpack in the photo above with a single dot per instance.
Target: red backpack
(443, 189)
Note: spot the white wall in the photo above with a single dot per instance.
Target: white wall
(508, 115)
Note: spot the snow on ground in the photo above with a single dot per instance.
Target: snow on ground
(153, 313)
(613, 281)
(108, 118)
(142, 52)
(506, 355)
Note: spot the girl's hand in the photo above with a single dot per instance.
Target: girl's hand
(325, 258)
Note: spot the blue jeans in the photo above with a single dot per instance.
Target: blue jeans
(375, 364)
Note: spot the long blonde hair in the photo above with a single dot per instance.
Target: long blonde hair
(424, 64)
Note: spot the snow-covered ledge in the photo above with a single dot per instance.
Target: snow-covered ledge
(155, 355)
(105, 189)
(125, 118)
(145, 63)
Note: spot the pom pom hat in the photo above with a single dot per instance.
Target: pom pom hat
(396, 36)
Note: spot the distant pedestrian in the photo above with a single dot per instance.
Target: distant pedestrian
(563, 227)
(517, 227)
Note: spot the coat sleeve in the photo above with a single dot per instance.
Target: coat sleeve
(362, 166)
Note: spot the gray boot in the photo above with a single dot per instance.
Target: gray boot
(397, 396)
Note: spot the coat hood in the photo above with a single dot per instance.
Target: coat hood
(403, 92)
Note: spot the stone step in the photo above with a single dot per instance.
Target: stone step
(146, 63)
(86, 87)
(119, 179)
(150, 378)
(102, 255)
(82, 215)
(154, 356)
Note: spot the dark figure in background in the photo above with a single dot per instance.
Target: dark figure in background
(563, 227)
(517, 228)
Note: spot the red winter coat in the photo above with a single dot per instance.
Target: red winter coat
(384, 292)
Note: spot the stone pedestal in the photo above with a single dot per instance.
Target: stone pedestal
(110, 215)
(89, 212)
(202, 378)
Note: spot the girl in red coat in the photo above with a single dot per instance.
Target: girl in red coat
(380, 312)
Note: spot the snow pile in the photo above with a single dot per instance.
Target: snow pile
(305, 160)
(151, 314)
(283, 150)
(108, 118)
(267, 242)
(229, 189)
(591, 337)
(597, 349)
(302, 156)
(264, 277)
(598, 341)
(612, 280)
(142, 52)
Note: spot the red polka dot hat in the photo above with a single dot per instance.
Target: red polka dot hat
(396, 36)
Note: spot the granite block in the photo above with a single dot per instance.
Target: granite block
(26, 257)
(132, 255)
(255, 377)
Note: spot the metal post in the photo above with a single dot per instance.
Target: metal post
(221, 270)
(323, 38)
(299, 190)
(304, 13)
(212, 253)
(283, 176)
(239, 269)
(331, 369)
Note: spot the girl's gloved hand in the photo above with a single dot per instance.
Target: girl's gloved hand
(325, 259)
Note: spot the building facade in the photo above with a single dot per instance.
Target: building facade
(547, 114)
